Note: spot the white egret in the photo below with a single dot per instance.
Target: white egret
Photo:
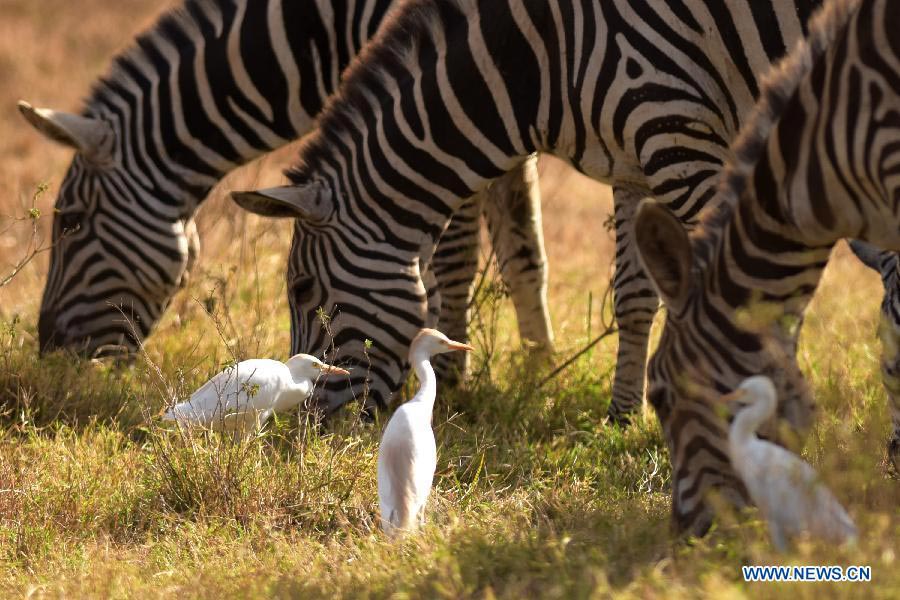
(407, 457)
(243, 397)
(786, 489)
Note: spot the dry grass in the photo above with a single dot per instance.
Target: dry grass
(534, 494)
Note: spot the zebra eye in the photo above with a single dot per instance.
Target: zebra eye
(301, 288)
(657, 397)
(70, 221)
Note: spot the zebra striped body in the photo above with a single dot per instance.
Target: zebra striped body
(644, 95)
(819, 164)
(212, 85)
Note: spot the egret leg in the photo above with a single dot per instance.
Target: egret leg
(779, 539)
(241, 424)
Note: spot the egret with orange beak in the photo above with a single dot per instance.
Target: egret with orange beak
(407, 457)
(786, 489)
(241, 398)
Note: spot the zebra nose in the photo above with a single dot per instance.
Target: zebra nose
(47, 331)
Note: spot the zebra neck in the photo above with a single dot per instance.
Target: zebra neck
(806, 191)
(764, 269)
(213, 85)
(416, 128)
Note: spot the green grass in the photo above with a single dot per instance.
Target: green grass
(535, 495)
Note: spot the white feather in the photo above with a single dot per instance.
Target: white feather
(407, 456)
(242, 397)
(787, 490)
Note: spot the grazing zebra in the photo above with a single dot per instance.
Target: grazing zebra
(820, 163)
(644, 95)
(141, 147)
(213, 84)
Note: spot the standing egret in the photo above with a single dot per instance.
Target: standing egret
(407, 456)
(243, 397)
(786, 489)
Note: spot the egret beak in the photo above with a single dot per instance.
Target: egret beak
(735, 401)
(333, 370)
(735, 396)
(460, 346)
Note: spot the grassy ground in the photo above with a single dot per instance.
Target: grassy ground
(535, 494)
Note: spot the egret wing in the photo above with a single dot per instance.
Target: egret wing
(424, 464)
(395, 473)
(252, 385)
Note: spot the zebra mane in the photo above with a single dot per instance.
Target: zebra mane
(406, 27)
(777, 89)
(180, 17)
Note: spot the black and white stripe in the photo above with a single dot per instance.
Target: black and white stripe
(819, 163)
(451, 94)
(213, 84)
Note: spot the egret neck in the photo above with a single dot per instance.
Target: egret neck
(427, 380)
(749, 419)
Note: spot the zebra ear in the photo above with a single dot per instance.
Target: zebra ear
(665, 251)
(91, 137)
(868, 254)
(309, 201)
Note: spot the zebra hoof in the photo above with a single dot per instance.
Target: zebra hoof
(622, 419)
(538, 351)
(894, 453)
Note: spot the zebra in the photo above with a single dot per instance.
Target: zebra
(643, 95)
(164, 171)
(819, 163)
(134, 149)
(386, 219)
(212, 85)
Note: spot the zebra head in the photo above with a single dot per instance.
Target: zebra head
(356, 297)
(706, 349)
(119, 254)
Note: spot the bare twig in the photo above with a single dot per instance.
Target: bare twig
(35, 244)
(608, 332)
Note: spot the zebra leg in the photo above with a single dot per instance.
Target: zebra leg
(455, 263)
(193, 240)
(887, 264)
(636, 304)
(434, 296)
(512, 210)
(889, 333)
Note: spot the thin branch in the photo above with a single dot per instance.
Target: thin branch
(608, 332)
(35, 244)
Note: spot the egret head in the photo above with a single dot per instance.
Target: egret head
(305, 366)
(756, 397)
(431, 341)
(348, 288)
